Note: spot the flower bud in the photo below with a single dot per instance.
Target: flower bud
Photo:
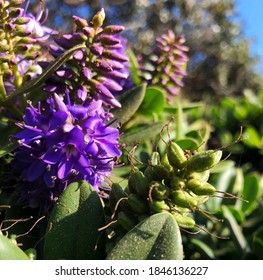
(177, 183)
(175, 155)
(113, 29)
(157, 173)
(137, 203)
(98, 19)
(200, 188)
(116, 194)
(201, 176)
(138, 183)
(22, 20)
(203, 161)
(159, 191)
(159, 206)
(183, 199)
(80, 22)
(184, 221)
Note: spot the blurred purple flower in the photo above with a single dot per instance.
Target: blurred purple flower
(167, 63)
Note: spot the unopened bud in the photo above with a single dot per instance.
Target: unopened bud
(98, 19)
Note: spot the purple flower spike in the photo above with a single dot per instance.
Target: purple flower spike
(168, 63)
(61, 143)
(101, 67)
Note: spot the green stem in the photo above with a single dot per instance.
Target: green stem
(2, 87)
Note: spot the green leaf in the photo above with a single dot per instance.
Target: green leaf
(73, 228)
(236, 231)
(10, 251)
(222, 166)
(130, 102)
(202, 248)
(188, 144)
(258, 243)
(153, 102)
(7, 144)
(251, 191)
(142, 133)
(44, 75)
(156, 238)
(251, 138)
(134, 67)
(222, 182)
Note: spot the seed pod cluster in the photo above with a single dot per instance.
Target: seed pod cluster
(175, 183)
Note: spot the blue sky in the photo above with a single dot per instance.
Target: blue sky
(251, 17)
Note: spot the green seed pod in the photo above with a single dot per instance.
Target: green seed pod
(201, 176)
(175, 155)
(165, 162)
(126, 221)
(184, 221)
(138, 183)
(155, 158)
(200, 188)
(116, 194)
(159, 191)
(157, 173)
(158, 206)
(177, 183)
(137, 203)
(203, 161)
(183, 199)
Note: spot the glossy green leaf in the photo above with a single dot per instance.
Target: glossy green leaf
(73, 228)
(156, 238)
(142, 133)
(134, 67)
(222, 166)
(10, 251)
(236, 231)
(153, 102)
(130, 102)
(251, 138)
(250, 192)
(188, 144)
(203, 249)
(258, 243)
(222, 182)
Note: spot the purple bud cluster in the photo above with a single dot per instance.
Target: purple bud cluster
(22, 38)
(61, 143)
(96, 71)
(166, 65)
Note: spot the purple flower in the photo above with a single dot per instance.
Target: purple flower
(61, 143)
(35, 24)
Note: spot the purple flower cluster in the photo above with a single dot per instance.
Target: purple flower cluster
(61, 143)
(166, 65)
(96, 71)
